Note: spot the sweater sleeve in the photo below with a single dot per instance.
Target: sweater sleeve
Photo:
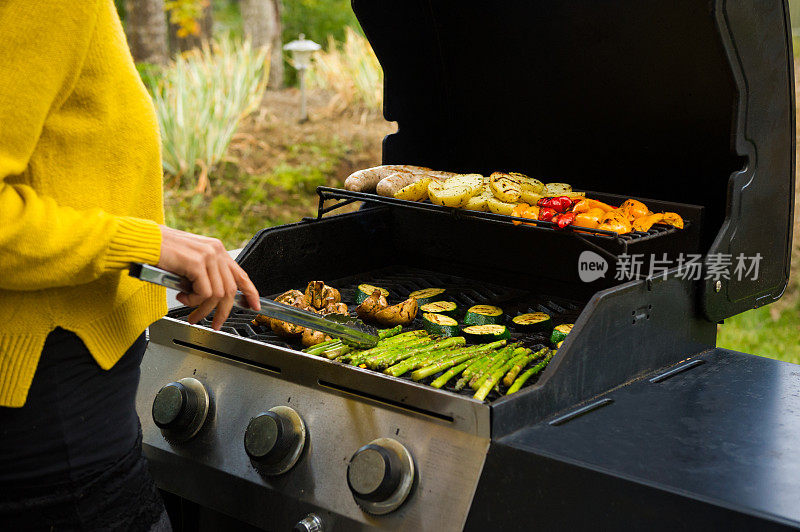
(44, 244)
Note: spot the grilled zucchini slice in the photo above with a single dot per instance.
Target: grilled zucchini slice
(448, 308)
(482, 334)
(439, 325)
(560, 333)
(483, 315)
(533, 322)
(427, 295)
(365, 290)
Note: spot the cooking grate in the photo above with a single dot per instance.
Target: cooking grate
(400, 282)
(347, 197)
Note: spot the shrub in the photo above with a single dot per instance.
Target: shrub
(350, 70)
(200, 99)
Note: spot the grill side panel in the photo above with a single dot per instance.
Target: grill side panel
(622, 334)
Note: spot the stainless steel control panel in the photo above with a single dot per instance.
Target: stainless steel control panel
(213, 469)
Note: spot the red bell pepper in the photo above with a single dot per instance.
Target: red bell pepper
(563, 220)
(546, 214)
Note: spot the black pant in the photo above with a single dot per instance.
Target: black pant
(71, 458)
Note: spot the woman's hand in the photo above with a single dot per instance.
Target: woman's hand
(215, 276)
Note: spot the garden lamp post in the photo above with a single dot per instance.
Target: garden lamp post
(301, 50)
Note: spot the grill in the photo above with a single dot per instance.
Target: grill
(401, 282)
(638, 417)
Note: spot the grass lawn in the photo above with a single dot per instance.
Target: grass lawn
(756, 332)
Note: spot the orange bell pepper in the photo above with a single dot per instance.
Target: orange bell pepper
(674, 219)
(644, 223)
(589, 219)
(586, 205)
(634, 209)
(531, 212)
(615, 221)
(519, 211)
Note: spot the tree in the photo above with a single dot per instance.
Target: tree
(146, 30)
(190, 23)
(262, 25)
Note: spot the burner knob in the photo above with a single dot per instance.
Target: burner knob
(180, 408)
(310, 523)
(274, 439)
(380, 475)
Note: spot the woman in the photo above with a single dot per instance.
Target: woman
(80, 199)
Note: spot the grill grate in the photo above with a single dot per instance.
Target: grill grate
(401, 281)
(347, 197)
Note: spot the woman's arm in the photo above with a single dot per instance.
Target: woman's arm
(44, 244)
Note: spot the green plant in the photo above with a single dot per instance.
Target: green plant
(350, 70)
(200, 100)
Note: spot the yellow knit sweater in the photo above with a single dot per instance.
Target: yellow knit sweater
(80, 186)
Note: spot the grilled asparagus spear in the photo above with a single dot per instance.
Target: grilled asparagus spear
(501, 357)
(508, 380)
(480, 352)
(492, 379)
(522, 379)
(419, 360)
(439, 366)
(384, 360)
(359, 357)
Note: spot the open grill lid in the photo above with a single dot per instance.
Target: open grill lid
(687, 101)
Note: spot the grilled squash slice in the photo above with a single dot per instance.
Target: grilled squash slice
(483, 315)
(365, 290)
(486, 333)
(427, 295)
(439, 325)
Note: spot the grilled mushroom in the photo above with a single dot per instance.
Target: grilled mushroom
(370, 306)
(334, 307)
(311, 337)
(399, 314)
(317, 293)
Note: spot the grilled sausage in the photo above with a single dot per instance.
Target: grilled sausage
(389, 185)
(367, 180)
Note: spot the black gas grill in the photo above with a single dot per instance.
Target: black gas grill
(637, 419)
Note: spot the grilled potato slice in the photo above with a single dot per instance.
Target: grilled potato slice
(456, 191)
(530, 197)
(415, 191)
(505, 187)
(500, 207)
(556, 189)
(449, 196)
(471, 181)
(528, 183)
(479, 202)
